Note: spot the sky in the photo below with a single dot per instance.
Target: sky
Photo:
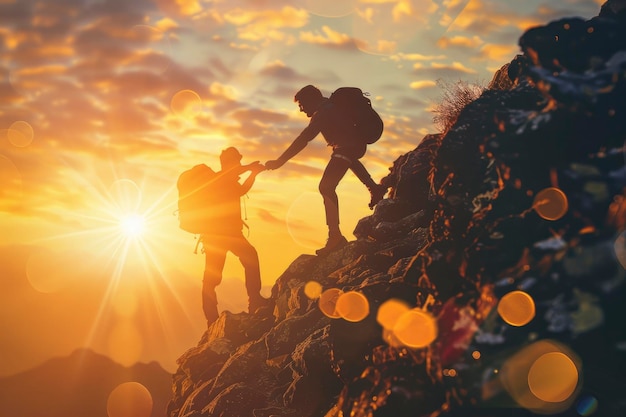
(103, 103)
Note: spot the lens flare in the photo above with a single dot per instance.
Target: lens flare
(542, 377)
(550, 203)
(51, 271)
(313, 289)
(516, 308)
(352, 306)
(416, 328)
(587, 406)
(301, 219)
(186, 104)
(20, 134)
(553, 377)
(328, 302)
(390, 311)
(130, 399)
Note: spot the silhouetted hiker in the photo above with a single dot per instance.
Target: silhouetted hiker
(347, 150)
(227, 235)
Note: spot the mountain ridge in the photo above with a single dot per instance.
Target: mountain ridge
(462, 227)
(79, 385)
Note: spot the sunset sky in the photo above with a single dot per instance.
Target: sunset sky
(104, 102)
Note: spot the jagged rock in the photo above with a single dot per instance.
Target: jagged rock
(460, 229)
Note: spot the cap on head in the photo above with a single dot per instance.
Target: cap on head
(308, 93)
(230, 157)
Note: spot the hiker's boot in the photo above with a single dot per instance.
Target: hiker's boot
(377, 192)
(334, 242)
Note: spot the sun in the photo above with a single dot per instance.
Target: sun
(132, 226)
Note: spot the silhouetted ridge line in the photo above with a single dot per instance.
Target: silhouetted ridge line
(525, 192)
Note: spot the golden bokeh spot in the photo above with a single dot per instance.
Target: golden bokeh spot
(476, 355)
(517, 308)
(328, 302)
(186, 103)
(553, 377)
(313, 289)
(20, 134)
(550, 203)
(352, 306)
(130, 399)
(125, 343)
(390, 311)
(542, 377)
(416, 328)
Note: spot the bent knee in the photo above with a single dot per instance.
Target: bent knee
(327, 188)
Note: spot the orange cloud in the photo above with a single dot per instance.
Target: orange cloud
(415, 57)
(329, 37)
(255, 24)
(460, 42)
(418, 85)
(499, 53)
(442, 70)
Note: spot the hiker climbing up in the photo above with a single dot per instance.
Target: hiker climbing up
(348, 124)
(209, 205)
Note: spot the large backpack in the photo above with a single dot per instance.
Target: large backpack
(357, 109)
(196, 195)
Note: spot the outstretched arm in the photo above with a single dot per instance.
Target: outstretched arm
(296, 146)
(254, 169)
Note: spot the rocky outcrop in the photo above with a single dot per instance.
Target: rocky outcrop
(462, 227)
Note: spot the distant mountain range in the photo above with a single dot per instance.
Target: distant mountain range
(79, 386)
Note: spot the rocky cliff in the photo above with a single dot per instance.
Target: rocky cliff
(523, 195)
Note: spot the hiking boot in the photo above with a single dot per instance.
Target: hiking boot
(333, 243)
(377, 192)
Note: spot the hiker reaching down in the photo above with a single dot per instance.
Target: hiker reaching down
(347, 150)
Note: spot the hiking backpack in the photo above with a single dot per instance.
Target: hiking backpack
(357, 108)
(196, 194)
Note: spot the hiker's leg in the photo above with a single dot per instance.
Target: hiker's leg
(334, 172)
(362, 174)
(214, 259)
(377, 191)
(249, 259)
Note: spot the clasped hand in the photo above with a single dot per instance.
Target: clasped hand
(274, 164)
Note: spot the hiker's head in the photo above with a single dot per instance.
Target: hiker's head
(309, 98)
(229, 158)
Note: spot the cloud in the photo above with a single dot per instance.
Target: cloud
(438, 70)
(500, 53)
(460, 42)
(257, 24)
(279, 70)
(268, 217)
(328, 38)
(418, 85)
(401, 56)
